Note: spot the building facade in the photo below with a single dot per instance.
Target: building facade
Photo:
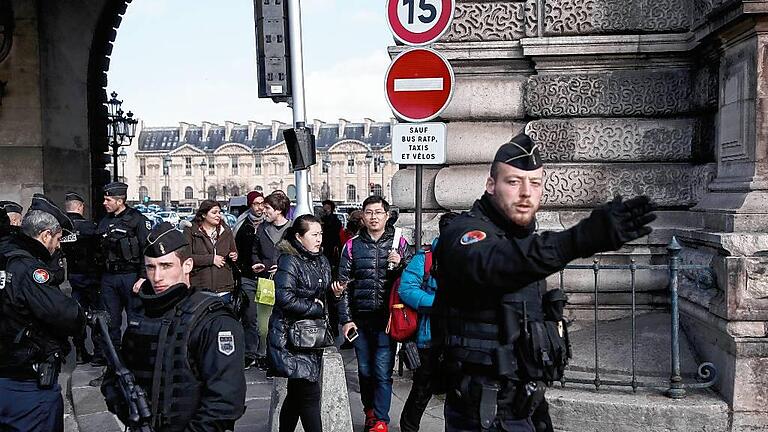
(188, 163)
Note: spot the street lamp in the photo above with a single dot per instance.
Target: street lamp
(381, 161)
(327, 166)
(203, 168)
(368, 159)
(123, 157)
(166, 173)
(119, 127)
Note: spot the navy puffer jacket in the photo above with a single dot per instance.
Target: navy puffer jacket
(364, 264)
(301, 278)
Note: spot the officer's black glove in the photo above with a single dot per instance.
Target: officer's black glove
(613, 224)
(93, 315)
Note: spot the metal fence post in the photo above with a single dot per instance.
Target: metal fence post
(675, 390)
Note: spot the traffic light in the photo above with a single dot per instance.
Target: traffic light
(272, 44)
(301, 147)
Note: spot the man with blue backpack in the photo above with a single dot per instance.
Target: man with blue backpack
(417, 290)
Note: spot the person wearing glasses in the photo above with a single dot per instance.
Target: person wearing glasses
(368, 268)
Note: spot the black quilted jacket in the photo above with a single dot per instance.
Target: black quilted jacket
(301, 278)
(365, 266)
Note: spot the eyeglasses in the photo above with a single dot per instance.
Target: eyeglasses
(370, 213)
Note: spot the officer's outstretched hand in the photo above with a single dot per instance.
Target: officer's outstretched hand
(613, 224)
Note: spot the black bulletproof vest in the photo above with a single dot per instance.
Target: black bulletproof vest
(82, 254)
(156, 350)
(120, 243)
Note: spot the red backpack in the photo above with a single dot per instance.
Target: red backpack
(403, 319)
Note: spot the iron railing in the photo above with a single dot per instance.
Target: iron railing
(675, 388)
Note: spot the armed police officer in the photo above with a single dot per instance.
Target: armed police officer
(84, 268)
(186, 350)
(36, 320)
(13, 215)
(123, 234)
(501, 333)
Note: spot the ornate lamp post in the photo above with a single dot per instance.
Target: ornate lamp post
(203, 168)
(166, 173)
(123, 157)
(119, 127)
(327, 167)
(368, 159)
(381, 161)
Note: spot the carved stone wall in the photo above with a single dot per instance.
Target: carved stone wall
(492, 21)
(581, 17)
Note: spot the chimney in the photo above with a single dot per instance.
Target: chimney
(228, 127)
(252, 126)
(316, 126)
(342, 126)
(207, 129)
(276, 128)
(367, 127)
(183, 128)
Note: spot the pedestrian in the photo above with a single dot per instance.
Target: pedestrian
(123, 234)
(245, 233)
(417, 290)
(331, 233)
(213, 250)
(13, 210)
(499, 336)
(264, 256)
(354, 223)
(84, 269)
(36, 321)
(302, 280)
(186, 349)
(368, 268)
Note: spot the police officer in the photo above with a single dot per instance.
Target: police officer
(505, 338)
(13, 216)
(13, 210)
(84, 268)
(186, 351)
(123, 234)
(36, 320)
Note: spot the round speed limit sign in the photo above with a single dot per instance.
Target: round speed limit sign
(419, 22)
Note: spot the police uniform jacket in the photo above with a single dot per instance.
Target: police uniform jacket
(186, 353)
(124, 256)
(301, 277)
(364, 263)
(32, 311)
(83, 255)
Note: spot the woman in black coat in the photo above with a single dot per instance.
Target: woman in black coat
(303, 277)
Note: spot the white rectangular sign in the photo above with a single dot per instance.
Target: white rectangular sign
(418, 143)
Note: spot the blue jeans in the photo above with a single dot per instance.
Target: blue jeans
(118, 296)
(26, 408)
(251, 319)
(375, 359)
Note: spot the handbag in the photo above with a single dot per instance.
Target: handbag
(402, 324)
(311, 334)
(409, 354)
(265, 291)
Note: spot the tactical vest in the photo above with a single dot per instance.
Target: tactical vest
(120, 243)
(82, 254)
(22, 342)
(157, 351)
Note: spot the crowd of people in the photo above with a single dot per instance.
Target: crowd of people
(271, 292)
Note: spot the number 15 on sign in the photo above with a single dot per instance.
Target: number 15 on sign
(419, 22)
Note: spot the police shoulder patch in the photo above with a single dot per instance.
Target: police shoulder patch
(473, 237)
(148, 225)
(41, 276)
(226, 342)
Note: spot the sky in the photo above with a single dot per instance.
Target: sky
(195, 60)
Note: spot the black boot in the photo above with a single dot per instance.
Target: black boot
(82, 355)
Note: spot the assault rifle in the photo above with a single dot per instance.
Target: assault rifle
(139, 415)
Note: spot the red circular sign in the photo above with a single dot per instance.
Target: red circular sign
(419, 84)
(419, 22)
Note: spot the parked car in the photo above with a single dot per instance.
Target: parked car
(154, 208)
(153, 218)
(141, 208)
(169, 216)
(185, 211)
(229, 218)
(237, 205)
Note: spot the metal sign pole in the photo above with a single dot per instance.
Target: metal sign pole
(297, 95)
(419, 182)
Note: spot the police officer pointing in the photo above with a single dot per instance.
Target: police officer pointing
(36, 320)
(500, 332)
(123, 234)
(186, 351)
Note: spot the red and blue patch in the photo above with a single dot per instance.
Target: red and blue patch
(41, 276)
(473, 237)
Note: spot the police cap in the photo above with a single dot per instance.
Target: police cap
(11, 207)
(520, 152)
(43, 203)
(116, 189)
(164, 239)
(73, 196)
(5, 223)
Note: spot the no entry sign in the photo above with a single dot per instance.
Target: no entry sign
(419, 22)
(419, 84)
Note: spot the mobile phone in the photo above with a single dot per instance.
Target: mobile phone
(352, 334)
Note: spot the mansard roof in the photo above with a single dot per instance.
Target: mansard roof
(165, 139)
